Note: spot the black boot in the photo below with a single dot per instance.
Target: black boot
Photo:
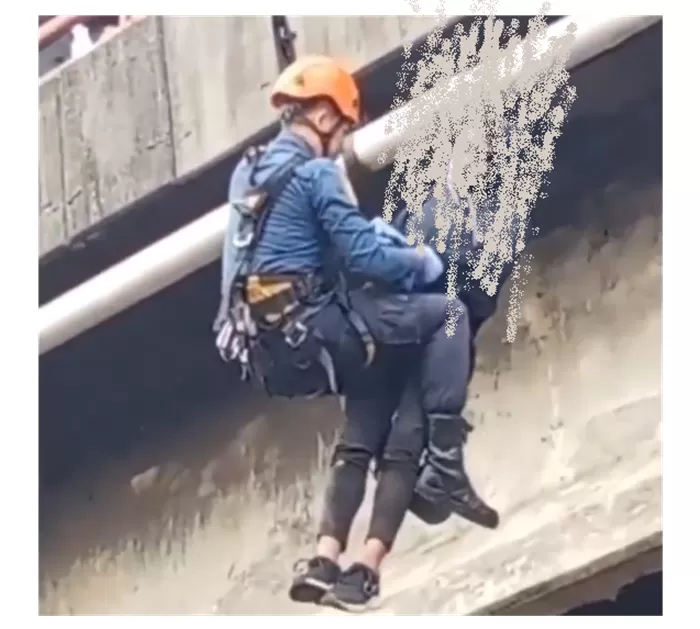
(444, 474)
(432, 512)
(433, 507)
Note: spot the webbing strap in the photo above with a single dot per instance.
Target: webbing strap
(356, 320)
(273, 191)
(272, 187)
(362, 330)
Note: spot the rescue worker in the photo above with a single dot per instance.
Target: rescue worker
(287, 319)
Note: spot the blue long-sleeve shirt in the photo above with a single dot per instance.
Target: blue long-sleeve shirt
(312, 223)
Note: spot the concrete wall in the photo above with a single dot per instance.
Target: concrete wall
(165, 97)
(52, 208)
(567, 446)
(137, 450)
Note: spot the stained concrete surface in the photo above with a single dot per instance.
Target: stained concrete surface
(52, 207)
(166, 97)
(567, 445)
(358, 39)
(116, 133)
(220, 70)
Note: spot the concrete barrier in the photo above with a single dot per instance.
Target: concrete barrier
(52, 208)
(219, 71)
(360, 39)
(115, 143)
(166, 97)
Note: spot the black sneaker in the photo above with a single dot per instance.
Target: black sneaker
(355, 588)
(314, 577)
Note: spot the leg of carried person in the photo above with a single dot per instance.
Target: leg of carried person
(421, 320)
(445, 373)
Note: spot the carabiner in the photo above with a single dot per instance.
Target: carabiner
(292, 339)
(242, 243)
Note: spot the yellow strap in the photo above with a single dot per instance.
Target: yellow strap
(259, 289)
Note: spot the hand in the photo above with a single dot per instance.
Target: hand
(433, 266)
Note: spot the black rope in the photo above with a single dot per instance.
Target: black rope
(284, 41)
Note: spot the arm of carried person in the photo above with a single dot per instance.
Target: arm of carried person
(355, 238)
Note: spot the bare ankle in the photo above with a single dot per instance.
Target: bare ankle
(329, 547)
(373, 554)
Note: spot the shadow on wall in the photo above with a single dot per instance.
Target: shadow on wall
(138, 386)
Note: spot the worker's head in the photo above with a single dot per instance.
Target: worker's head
(319, 98)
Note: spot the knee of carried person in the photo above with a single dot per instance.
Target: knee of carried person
(436, 305)
(405, 445)
(409, 458)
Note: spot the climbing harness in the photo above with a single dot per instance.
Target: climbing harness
(263, 330)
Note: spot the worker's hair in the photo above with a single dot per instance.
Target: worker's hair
(290, 112)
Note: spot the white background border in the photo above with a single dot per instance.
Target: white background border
(19, 254)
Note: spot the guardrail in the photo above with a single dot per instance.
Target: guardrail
(53, 27)
(57, 26)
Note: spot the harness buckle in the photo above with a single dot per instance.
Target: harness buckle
(244, 362)
(242, 242)
(295, 334)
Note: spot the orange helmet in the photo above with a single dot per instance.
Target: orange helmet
(318, 77)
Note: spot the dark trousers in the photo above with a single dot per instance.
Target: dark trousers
(373, 431)
(410, 330)
(443, 343)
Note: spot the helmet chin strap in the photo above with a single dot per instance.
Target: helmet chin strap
(324, 136)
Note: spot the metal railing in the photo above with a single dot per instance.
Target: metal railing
(59, 25)
(60, 39)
